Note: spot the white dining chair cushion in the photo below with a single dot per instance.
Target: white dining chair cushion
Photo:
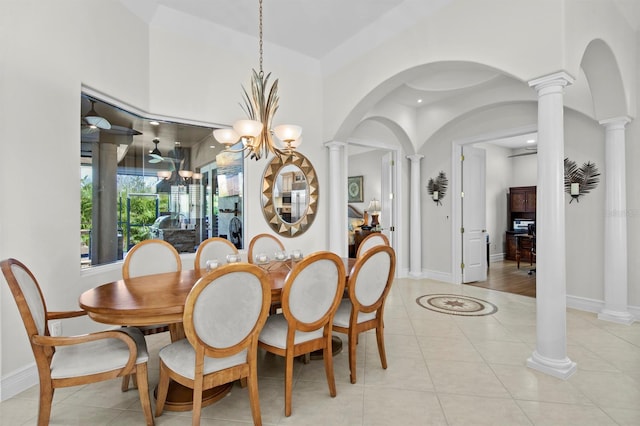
(215, 250)
(32, 296)
(274, 332)
(181, 358)
(97, 356)
(372, 278)
(152, 259)
(314, 291)
(266, 245)
(343, 314)
(373, 241)
(227, 309)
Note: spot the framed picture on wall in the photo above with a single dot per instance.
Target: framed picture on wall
(355, 189)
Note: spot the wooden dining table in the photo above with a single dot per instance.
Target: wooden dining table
(159, 299)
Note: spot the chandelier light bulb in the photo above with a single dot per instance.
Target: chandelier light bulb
(247, 128)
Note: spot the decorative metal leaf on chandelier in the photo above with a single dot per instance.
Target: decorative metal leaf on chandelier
(437, 187)
(262, 108)
(579, 180)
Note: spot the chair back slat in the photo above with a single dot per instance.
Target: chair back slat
(151, 257)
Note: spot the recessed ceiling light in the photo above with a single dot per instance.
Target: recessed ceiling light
(154, 123)
(419, 101)
(212, 146)
(531, 141)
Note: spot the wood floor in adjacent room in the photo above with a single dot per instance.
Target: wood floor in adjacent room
(505, 276)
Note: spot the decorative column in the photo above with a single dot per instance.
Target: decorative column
(615, 225)
(415, 218)
(337, 195)
(550, 355)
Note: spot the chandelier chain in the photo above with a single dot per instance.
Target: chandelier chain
(260, 31)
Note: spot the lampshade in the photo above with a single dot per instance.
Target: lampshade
(164, 174)
(374, 206)
(185, 173)
(197, 176)
(287, 132)
(226, 136)
(247, 128)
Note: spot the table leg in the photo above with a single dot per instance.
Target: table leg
(336, 345)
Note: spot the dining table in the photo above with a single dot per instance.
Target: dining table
(159, 299)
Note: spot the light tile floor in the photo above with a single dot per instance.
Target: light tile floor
(443, 370)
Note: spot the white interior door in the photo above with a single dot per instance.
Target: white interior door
(474, 247)
(387, 192)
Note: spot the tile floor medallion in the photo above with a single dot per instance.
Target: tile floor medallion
(453, 304)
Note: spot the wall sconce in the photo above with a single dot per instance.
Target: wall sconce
(579, 181)
(437, 187)
(374, 208)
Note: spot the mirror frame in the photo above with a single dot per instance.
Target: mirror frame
(271, 172)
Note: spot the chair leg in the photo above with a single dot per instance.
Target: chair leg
(253, 396)
(353, 341)
(125, 383)
(46, 398)
(143, 389)
(381, 349)
(288, 382)
(327, 355)
(197, 401)
(163, 388)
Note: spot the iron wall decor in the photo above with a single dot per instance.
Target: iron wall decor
(579, 181)
(437, 187)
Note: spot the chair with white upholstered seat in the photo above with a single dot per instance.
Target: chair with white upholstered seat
(372, 240)
(369, 284)
(65, 361)
(223, 316)
(146, 258)
(310, 297)
(264, 243)
(213, 248)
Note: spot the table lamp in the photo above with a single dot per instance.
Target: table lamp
(374, 209)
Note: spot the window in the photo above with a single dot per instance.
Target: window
(142, 178)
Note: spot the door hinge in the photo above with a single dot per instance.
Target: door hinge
(462, 230)
(462, 157)
(462, 266)
(392, 229)
(462, 194)
(393, 162)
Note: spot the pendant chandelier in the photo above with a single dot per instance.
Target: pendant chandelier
(257, 136)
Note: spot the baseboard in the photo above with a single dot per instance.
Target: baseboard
(595, 306)
(446, 277)
(496, 257)
(19, 381)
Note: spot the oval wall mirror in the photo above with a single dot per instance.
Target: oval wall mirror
(290, 194)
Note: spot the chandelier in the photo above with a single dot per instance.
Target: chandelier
(257, 136)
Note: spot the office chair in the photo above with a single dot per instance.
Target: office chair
(532, 232)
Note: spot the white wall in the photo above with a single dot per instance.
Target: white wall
(368, 165)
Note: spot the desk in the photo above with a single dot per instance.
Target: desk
(159, 299)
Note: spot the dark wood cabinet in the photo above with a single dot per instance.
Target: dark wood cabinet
(521, 204)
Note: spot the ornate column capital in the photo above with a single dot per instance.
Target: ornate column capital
(551, 83)
(616, 122)
(415, 157)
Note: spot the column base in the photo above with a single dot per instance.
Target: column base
(560, 368)
(620, 317)
(415, 275)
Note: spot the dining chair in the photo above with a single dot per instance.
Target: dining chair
(310, 296)
(372, 240)
(149, 257)
(64, 361)
(213, 248)
(223, 316)
(369, 284)
(264, 243)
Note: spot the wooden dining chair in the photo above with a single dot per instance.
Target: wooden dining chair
(146, 258)
(213, 248)
(223, 316)
(372, 240)
(369, 284)
(310, 297)
(65, 361)
(264, 243)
